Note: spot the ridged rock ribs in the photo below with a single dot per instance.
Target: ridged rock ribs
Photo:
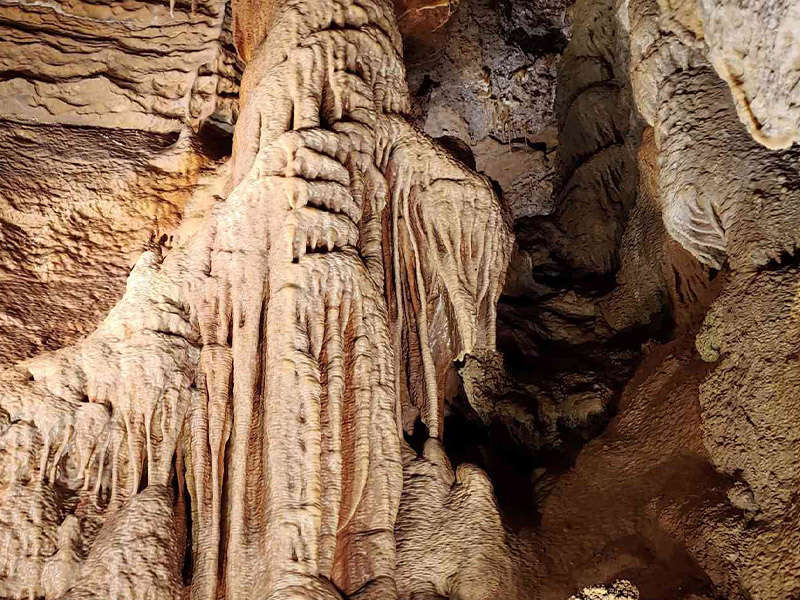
(268, 363)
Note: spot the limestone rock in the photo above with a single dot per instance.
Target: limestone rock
(750, 220)
(136, 556)
(349, 263)
(318, 382)
(99, 101)
(451, 540)
(77, 207)
(152, 66)
(753, 48)
(489, 71)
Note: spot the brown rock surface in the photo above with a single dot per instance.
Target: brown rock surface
(98, 102)
(298, 394)
(125, 65)
(77, 206)
(637, 489)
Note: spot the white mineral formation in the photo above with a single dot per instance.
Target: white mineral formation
(724, 196)
(619, 590)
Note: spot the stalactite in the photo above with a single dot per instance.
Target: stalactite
(267, 350)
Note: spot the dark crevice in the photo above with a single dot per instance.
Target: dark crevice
(785, 260)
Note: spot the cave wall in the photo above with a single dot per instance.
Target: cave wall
(660, 279)
(99, 105)
(640, 420)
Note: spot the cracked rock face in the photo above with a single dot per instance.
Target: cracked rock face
(334, 299)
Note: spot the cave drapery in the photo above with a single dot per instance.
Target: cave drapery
(423, 299)
(270, 360)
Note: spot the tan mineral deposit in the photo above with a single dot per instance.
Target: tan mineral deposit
(424, 300)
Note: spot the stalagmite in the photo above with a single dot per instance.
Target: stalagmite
(270, 359)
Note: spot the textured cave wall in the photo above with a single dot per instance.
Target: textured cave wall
(100, 102)
(487, 78)
(560, 135)
(657, 177)
(642, 420)
(748, 224)
(152, 66)
(705, 513)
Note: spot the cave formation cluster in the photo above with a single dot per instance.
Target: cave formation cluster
(352, 299)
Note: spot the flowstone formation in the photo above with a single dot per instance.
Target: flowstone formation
(234, 426)
(299, 394)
